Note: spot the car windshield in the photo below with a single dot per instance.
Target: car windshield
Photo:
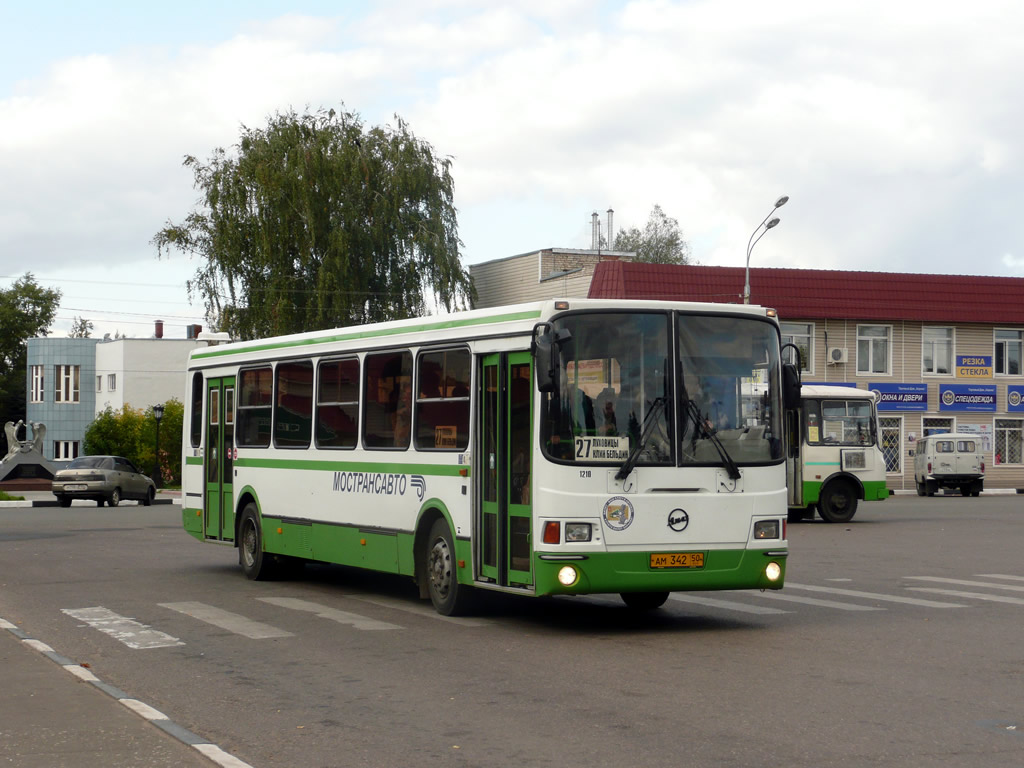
(91, 462)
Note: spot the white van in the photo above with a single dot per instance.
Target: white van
(949, 461)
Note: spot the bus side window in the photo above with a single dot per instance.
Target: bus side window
(386, 375)
(442, 402)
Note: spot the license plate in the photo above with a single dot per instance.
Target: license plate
(677, 560)
(76, 487)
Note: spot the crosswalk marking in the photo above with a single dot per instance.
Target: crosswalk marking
(820, 603)
(427, 611)
(128, 631)
(232, 622)
(728, 604)
(874, 596)
(966, 582)
(333, 614)
(975, 595)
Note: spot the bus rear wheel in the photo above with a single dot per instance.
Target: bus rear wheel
(838, 502)
(256, 565)
(448, 596)
(644, 601)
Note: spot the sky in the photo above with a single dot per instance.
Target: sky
(893, 127)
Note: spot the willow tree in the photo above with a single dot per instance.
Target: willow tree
(317, 222)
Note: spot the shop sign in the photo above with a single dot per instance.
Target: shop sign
(900, 397)
(1015, 398)
(967, 397)
(974, 366)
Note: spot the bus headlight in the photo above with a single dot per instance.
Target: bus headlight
(578, 531)
(766, 529)
(567, 575)
(773, 571)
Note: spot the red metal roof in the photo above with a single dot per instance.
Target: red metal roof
(820, 293)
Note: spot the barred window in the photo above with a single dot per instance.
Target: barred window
(1009, 439)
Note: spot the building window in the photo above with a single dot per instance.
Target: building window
(935, 426)
(1009, 437)
(99, 383)
(67, 377)
(873, 348)
(801, 335)
(65, 450)
(38, 383)
(937, 351)
(112, 382)
(1008, 352)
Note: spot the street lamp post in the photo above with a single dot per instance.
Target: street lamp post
(158, 412)
(763, 227)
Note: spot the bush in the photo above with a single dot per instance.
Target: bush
(131, 432)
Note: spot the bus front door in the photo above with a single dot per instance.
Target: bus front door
(506, 394)
(218, 452)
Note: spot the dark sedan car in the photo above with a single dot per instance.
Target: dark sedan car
(102, 479)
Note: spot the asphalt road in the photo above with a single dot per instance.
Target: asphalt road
(897, 642)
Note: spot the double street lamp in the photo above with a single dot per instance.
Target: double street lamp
(158, 413)
(761, 228)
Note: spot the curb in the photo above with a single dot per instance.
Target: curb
(76, 503)
(157, 718)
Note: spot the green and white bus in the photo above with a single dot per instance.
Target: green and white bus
(835, 457)
(555, 448)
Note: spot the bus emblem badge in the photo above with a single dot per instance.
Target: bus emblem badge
(678, 520)
(618, 513)
(419, 484)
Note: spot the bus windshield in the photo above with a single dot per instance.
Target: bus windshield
(839, 422)
(620, 403)
(729, 390)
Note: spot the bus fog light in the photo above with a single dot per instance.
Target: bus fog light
(567, 576)
(766, 529)
(773, 571)
(577, 531)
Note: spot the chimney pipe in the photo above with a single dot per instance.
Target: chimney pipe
(594, 227)
(158, 330)
(611, 232)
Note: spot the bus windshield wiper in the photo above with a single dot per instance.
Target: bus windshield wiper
(649, 421)
(704, 429)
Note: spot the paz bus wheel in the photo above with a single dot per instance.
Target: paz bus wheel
(644, 601)
(256, 564)
(448, 596)
(838, 502)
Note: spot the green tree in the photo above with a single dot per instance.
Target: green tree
(660, 241)
(26, 311)
(131, 432)
(80, 328)
(320, 222)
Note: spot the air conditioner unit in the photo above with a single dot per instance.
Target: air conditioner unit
(838, 355)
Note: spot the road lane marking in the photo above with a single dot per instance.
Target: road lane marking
(999, 576)
(821, 603)
(729, 605)
(873, 596)
(333, 614)
(966, 582)
(426, 611)
(128, 631)
(975, 595)
(232, 622)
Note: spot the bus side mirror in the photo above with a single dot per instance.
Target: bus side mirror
(545, 350)
(790, 386)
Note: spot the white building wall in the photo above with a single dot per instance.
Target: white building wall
(146, 371)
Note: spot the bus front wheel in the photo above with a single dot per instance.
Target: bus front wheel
(448, 596)
(838, 502)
